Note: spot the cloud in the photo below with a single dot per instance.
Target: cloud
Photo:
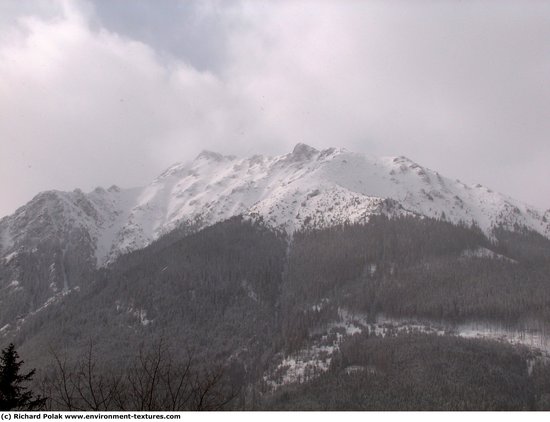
(460, 87)
(410, 78)
(84, 107)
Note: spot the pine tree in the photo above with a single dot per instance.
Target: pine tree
(13, 395)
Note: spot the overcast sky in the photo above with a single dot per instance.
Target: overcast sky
(112, 92)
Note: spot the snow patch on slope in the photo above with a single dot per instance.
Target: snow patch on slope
(482, 252)
(311, 361)
(9, 257)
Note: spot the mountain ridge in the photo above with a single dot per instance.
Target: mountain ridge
(304, 188)
(55, 242)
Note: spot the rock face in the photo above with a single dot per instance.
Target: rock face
(53, 243)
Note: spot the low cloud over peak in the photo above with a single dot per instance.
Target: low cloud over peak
(96, 93)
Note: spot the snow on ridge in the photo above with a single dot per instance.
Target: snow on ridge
(311, 187)
(304, 188)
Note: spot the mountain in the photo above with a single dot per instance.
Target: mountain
(55, 242)
(311, 280)
(388, 307)
(316, 189)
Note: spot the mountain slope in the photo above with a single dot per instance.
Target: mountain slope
(54, 242)
(311, 188)
(304, 188)
(238, 292)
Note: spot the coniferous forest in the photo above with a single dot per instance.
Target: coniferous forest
(212, 319)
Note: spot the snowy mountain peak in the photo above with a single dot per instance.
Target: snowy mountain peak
(305, 188)
(54, 243)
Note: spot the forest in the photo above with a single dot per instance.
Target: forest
(229, 301)
(415, 371)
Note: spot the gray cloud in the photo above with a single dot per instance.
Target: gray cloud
(95, 93)
(193, 31)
